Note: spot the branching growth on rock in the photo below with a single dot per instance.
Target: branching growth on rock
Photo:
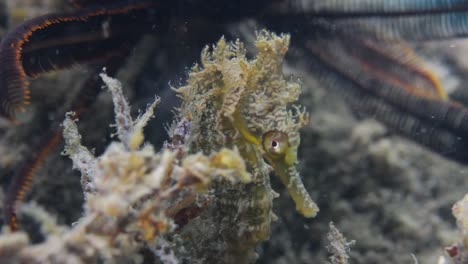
(337, 246)
(133, 190)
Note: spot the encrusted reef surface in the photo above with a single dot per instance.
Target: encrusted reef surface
(389, 195)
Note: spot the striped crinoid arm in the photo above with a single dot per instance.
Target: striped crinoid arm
(379, 20)
(401, 61)
(418, 26)
(21, 181)
(59, 41)
(395, 63)
(375, 7)
(399, 91)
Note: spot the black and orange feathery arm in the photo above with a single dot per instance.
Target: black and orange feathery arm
(21, 181)
(424, 115)
(59, 41)
(35, 55)
(377, 80)
(62, 40)
(398, 62)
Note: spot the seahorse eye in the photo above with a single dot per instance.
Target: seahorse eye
(275, 143)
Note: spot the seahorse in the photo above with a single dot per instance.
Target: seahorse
(245, 105)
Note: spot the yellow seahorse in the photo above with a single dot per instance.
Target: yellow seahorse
(241, 104)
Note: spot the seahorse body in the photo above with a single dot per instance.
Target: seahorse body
(242, 104)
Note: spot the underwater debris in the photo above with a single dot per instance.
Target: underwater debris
(337, 246)
(233, 102)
